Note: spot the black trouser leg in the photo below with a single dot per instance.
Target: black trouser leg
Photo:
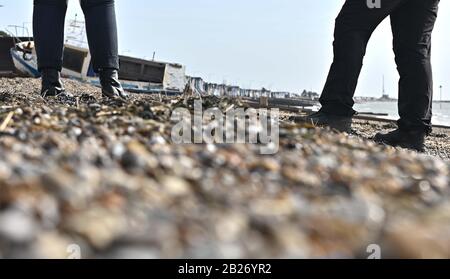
(48, 26)
(354, 27)
(102, 33)
(412, 26)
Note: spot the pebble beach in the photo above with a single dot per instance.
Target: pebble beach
(103, 175)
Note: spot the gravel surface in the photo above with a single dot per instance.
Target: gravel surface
(438, 143)
(82, 171)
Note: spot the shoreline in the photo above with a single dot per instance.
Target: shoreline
(388, 120)
(395, 100)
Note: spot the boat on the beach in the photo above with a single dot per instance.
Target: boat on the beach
(137, 75)
(24, 58)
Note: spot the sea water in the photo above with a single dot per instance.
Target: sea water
(441, 111)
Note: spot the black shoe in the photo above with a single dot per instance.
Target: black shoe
(413, 140)
(323, 119)
(52, 84)
(111, 87)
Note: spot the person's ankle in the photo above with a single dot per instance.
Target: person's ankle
(52, 85)
(110, 83)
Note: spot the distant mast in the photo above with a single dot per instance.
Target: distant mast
(384, 96)
(76, 33)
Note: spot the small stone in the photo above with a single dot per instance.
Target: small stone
(175, 186)
(17, 226)
(99, 226)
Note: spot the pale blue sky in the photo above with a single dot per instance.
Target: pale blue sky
(278, 44)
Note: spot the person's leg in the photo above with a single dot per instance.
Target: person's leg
(48, 28)
(102, 37)
(354, 27)
(102, 33)
(412, 26)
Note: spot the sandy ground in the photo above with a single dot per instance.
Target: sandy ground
(104, 176)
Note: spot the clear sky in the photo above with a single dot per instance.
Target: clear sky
(278, 44)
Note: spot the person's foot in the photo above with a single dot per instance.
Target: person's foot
(323, 119)
(413, 140)
(52, 84)
(111, 87)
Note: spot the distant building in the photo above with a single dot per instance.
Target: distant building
(385, 97)
(281, 95)
(233, 91)
(198, 85)
(310, 95)
(265, 93)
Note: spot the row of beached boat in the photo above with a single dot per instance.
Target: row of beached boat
(137, 75)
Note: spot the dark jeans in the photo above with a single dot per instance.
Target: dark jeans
(48, 25)
(412, 25)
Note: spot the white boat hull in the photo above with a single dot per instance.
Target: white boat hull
(25, 64)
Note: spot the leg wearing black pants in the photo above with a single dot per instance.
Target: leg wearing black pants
(102, 32)
(412, 22)
(48, 29)
(412, 26)
(48, 25)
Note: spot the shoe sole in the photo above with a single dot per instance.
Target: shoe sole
(420, 149)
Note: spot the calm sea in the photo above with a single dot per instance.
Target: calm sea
(441, 111)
